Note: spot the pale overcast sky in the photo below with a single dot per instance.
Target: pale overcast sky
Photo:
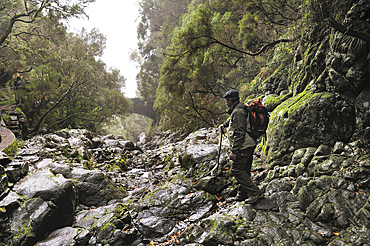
(117, 20)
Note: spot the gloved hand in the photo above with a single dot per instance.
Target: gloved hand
(222, 128)
(232, 156)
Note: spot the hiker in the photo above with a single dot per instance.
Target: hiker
(242, 148)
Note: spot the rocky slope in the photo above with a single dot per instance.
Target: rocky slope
(73, 188)
(70, 188)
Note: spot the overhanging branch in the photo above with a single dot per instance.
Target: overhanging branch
(350, 31)
(261, 50)
(215, 41)
(37, 126)
(33, 14)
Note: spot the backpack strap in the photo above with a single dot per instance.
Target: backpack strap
(248, 110)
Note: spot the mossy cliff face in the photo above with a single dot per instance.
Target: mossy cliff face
(307, 120)
(328, 80)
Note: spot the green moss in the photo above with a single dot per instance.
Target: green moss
(25, 230)
(176, 177)
(12, 149)
(115, 192)
(263, 146)
(89, 165)
(19, 110)
(249, 89)
(276, 100)
(364, 157)
(170, 165)
(6, 119)
(272, 100)
(122, 160)
(296, 103)
(282, 122)
(106, 226)
(120, 210)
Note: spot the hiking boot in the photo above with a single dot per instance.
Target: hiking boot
(254, 199)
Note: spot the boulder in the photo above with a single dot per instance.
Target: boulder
(50, 203)
(94, 187)
(308, 119)
(62, 237)
(214, 230)
(111, 223)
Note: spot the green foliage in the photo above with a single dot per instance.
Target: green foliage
(66, 84)
(158, 21)
(6, 96)
(213, 50)
(190, 53)
(322, 10)
(6, 118)
(12, 149)
(23, 20)
(69, 86)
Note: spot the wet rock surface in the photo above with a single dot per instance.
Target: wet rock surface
(175, 194)
(73, 188)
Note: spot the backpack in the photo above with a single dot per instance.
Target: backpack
(259, 118)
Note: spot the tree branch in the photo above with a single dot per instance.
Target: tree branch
(29, 70)
(261, 50)
(349, 31)
(18, 17)
(215, 41)
(37, 126)
(196, 110)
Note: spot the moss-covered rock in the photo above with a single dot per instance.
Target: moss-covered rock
(308, 119)
(272, 101)
(216, 229)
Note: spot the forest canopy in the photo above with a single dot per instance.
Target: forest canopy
(65, 83)
(190, 52)
(197, 50)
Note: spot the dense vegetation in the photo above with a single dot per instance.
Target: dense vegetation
(190, 53)
(193, 51)
(65, 84)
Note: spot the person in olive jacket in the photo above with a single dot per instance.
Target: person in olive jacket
(242, 148)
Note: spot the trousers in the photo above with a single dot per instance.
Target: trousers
(241, 169)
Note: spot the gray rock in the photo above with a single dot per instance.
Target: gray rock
(214, 230)
(94, 187)
(11, 201)
(297, 156)
(338, 148)
(16, 170)
(322, 150)
(212, 185)
(277, 185)
(61, 237)
(33, 220)
(60, 191)
(241, 210)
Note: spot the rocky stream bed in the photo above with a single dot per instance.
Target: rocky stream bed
(70, 188)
